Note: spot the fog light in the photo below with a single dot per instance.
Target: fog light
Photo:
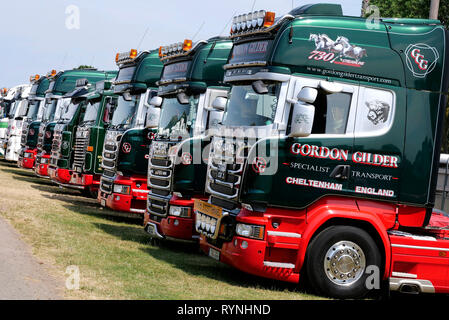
(182, 212)
(249, 231)
(176, 222)
(244, 245)
(120, 188)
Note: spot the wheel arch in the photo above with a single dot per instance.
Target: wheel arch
(367, 222)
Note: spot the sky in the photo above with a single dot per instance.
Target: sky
(40, 35)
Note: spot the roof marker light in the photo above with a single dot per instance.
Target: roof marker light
(252, 22)
(175, 49)
(124, 57)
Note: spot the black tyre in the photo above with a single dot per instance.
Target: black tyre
(90, 193)
(337, 260)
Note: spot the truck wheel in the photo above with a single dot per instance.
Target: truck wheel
(337, 260)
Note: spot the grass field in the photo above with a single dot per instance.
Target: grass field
(115, 258)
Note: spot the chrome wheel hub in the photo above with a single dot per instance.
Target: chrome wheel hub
(344, 263)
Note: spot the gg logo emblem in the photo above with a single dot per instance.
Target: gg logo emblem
(186, 158)
(259, 165)
(126, 148)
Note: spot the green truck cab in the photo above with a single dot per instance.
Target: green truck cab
(191, 80)
(328, 159)
(85, 169)
(60, 167)
(30, 129)
(55, 105)
(125, 153)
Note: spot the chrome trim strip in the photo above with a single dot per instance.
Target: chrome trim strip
(284, 234)
(278, 265)
(140, 191)
(137, 210)
(404, 275)
(419, 247)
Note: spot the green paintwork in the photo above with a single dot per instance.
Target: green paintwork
(70, 126)
(146, 74)
(66, 81)
(97, 133)
(189, 179)
(135, 162)
(148, 69)
(206, 70)
(415, 134)
(43, 86)
(32, 139)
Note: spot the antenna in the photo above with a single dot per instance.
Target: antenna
(201, 27)
(254, 3)
(227, 23)
(143, 37)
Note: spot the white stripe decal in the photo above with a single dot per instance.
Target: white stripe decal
(419, 247)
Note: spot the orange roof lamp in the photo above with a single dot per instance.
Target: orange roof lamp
(34, 78)
(252, 22)
(126, 57)
(175, 49)
(51, 73)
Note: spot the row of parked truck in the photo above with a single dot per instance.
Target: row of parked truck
(306, 145)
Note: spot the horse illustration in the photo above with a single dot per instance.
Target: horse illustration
(350, 51)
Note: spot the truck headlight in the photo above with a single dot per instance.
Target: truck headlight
(250, 231)
(182, 212)
(28, 155)
(120, 188)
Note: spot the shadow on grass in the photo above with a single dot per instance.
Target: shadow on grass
(189, 259)
(90, 207)
(10, 164)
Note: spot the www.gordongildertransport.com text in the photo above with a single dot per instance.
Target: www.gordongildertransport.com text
(223, 310)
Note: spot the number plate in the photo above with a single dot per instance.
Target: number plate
(207, 208)
(103, 202)
(214, 254)
(150, 230)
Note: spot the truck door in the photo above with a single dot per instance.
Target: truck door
(319, 164)
(378, 144)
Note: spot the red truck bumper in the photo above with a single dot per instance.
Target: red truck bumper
(177, 228)
(60, 175)
(273, 257)
(26, 160)
(134, 202)
(41, 169)
(84, 181)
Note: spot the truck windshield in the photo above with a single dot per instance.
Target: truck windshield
(125, 113)
(33, 108)
(248, 108)
(23, 108)
(91, 110)
(50, 107)
(69, 111)
(177, 119)
(13, 109)
(6, 107)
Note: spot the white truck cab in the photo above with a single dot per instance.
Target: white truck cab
(16, 116)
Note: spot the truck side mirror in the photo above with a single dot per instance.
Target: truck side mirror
(152, 117)
(156, 101)
(303, 113)
(219, 103)
(331, 87)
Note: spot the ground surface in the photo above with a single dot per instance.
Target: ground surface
(113, 254)
(21, 275)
